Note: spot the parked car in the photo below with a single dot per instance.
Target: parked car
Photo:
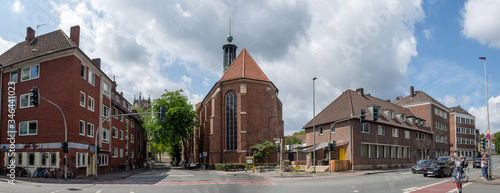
(476, 163)
(192, 165)
(437, 168)
(182, 164)
(417, 168)
(448, 159)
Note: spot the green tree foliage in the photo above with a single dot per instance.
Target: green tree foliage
(482, 136)
(292, 140)
(496, 141)
(180, 118)
(262, 150)
(303, 132)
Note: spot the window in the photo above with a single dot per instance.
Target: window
(320, 130)
(115, 112)
(12, 103)
(31, 159)
(365, 128)
(436, 111)
(132, 153)
(83, 72)
(13, 76)
(403, 118)
(82, 99)
(131, 138)
(380, 151)
(29, 73)
(28, 128)
(132, 123)
(43, 159)
(81, 159)
(437, 138)
(121, 152)
(364, 150)
(90, 129)
(381, 130)
(395, 132)
(82, 127)
(121, 117)
(105, 88)
(121, 135)
(91, 78)
(407, 134)
(441, 139)
(90, 103)
(105, 111)
(372, 151)
(231, 121)
(20, 159)
(390, 114)
(26, 101)
(115, 152)
(53, 159)
(115, 132)
(446, 140)
(103, 160)
(332, 128)
(105, 135)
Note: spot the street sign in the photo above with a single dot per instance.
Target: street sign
(249, 152)
(276, 139)
(200, 154)
(488, 136)
(205, 154)
(493, 145)
(4, 148)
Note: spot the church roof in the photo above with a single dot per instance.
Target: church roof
(244, 67)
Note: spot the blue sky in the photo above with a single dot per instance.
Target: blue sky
(383, 46)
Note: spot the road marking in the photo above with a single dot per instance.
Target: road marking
(419, 188)
(455, 189)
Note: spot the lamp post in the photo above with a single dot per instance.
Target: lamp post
(487, 113)
(314, 127)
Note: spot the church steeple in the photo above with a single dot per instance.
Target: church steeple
(229, 50)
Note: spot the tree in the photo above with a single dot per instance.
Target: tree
(180, 118)
(262, 150)
(482, 136)
(303, 132)
(292, 140)
(496, 141)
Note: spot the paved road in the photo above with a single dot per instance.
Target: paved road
(181, 180)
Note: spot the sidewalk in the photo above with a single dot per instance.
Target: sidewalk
(495, 180)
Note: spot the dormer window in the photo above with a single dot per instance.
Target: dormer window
(389, 113)
(403, 118)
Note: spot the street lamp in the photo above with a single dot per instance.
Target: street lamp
(314, 127)
(487, 111)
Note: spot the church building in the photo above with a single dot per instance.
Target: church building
(241, 110)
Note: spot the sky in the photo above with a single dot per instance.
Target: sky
(383, 46)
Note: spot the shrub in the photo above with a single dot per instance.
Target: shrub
(221, 167)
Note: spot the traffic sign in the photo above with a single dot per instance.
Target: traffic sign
(493, 145)
(200, 154)
(4, 148)
(488, 136)
(205, 154)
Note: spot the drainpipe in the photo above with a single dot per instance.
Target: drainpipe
(221, 128)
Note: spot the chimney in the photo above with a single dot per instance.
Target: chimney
(74, 35)
(412, 91)
(360, 91)
(97, 62)
(30, 35)
(121, 93)
(397, 98)
(388, 100)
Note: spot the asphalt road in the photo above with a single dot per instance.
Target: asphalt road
(180, 180)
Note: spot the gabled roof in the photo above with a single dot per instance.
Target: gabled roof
(350, 103)
(459, 109)
(44, 44)
(420, 96)
(244, 67)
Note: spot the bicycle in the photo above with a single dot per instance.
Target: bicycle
(60, 175)
(49, 173)
(458, 181)
(22, 172)
(38, 173)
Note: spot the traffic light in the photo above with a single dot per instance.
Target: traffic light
(98, 149)
(277, 148)
(64, 147)
(375, 113)
(161, 115)
(362, 118)
(330, 146)
(34, 97)
(334, 145)
(483, 143)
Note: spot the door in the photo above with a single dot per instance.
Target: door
(341, 153)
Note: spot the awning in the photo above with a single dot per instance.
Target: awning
(323, 145)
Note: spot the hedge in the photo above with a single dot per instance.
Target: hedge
(229, 167)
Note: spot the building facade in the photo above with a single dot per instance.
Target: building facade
(397, 138)
(242, 109)
(437, 116)
(66, 76)
(463, 135)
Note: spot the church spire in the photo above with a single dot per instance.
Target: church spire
(229, 50)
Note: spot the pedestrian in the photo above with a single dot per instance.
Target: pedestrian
(484, 166)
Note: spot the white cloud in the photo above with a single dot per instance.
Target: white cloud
(17, 7)
(481, 115)
(5, 45)
(449, 101)
(428, 33)
(480, 21)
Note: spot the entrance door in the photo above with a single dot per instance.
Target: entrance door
(341, 153)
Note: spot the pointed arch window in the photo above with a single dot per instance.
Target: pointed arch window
(231, 121)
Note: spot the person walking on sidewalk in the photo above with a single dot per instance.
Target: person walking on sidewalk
(484, 166)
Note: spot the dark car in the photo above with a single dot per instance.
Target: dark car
(476, 163)
(417, 168)
(437, 168)
(448, 159)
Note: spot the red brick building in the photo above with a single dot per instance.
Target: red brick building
(463, 133)
(65, 75)
(242, 109)
(398, 138)
(437, 116)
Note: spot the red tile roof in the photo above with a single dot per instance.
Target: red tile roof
(459, 109)
(244, 67)
(350, 103)
(420, 96)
